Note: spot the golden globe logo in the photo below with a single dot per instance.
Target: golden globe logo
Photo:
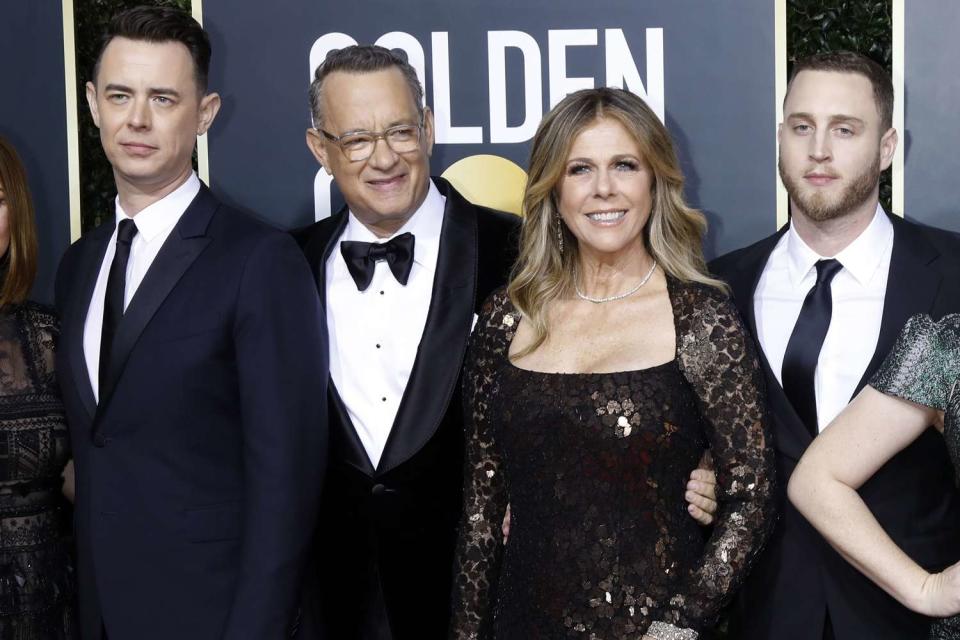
(490, 181)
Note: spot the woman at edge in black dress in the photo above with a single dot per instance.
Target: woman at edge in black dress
(36, 579)
(601, 374)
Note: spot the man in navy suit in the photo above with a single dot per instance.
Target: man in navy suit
(193, 370)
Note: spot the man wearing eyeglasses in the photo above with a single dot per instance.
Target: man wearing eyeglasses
(402, 271)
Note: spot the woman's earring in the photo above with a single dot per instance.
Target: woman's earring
(559, 234)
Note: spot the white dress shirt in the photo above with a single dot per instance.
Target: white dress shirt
(858, 292)
(375, 333)
(154, 224)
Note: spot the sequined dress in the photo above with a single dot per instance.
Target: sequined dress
(594, 467)
(36, 580)
(924, 367)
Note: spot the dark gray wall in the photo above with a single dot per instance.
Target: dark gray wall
(33, 118)
(719, 90)
(932, 96)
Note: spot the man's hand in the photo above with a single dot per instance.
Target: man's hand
(505, 527)
(701, 492)
(69, 481)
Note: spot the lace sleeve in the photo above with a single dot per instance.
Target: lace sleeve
(923, 365)
(719, 362)
(44, 333)
(480, 543)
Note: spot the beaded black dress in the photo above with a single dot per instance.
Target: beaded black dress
(594, 467)
(924, 367)
(36, 579)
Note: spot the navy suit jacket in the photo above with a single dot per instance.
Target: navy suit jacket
(199, 472)
(799, 577)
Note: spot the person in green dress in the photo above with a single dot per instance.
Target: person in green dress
(918, 385)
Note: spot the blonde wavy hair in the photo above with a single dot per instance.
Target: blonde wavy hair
(673, 235)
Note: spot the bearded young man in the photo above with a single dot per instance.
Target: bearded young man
(825, 299)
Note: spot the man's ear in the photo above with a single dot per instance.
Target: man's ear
(209, 107)
(318, 148)
(888, 146)
(428, 129)
(91, 92)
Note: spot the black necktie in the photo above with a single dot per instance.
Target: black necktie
(362, 258)
(803, 349)
(113, 301)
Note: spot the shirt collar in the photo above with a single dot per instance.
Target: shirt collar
(425, 224)
(861, 258)
(165, 212)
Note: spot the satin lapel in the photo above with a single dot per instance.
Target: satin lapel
(320, 247)
(181, 248)
(436, 370)
(351, 447)
(318, 250)
(88, 267)
(912, 287)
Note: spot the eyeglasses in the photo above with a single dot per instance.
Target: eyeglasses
(359, 145)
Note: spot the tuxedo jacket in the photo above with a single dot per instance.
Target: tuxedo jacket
(799, 578)
(198, 472)
(389, 531)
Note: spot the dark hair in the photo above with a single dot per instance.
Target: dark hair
(21, 257)
(161, 24)
(850, 62)
(363, 58)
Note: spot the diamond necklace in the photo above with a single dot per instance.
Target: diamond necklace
(583, 296)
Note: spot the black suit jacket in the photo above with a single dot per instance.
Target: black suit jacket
(799, 578)
(199, 471)
(391, 530)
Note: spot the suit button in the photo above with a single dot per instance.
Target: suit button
(378, 490)
(99, 440)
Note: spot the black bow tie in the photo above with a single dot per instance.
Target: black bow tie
(362, 258)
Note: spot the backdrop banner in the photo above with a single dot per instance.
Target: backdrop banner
(491, 70)
(932, 93)
(33, 118)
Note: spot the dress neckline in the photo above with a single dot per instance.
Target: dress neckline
(671, 295)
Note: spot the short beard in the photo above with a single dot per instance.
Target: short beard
(817, 208)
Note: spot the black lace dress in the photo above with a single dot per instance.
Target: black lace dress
(594, 467)
(36, 580)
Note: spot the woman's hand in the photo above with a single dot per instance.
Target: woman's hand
(701, 494)
(940, 593)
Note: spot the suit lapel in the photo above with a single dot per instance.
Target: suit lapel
(318, 250)
(319, 247)
(88, 266)
(792, 437)
(436, 370)
(181, 248)
(912, 287)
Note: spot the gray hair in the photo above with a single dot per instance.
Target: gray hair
(363, 58)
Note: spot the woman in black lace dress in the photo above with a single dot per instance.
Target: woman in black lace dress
(36, 583)
(593, 382)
